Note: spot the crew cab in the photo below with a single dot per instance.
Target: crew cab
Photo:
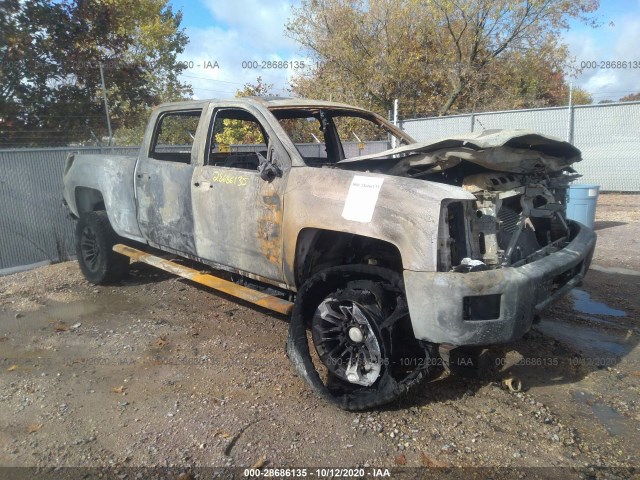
(391, 248)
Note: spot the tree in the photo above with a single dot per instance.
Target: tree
(23, 77)
(50, 53)
(437, 56)
(258, 89)
(363, 54)
(580, 96)
(233, 132)
(632, 97)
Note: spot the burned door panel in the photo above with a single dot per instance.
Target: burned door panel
(237, 211)
(238, 220)
(163, 181)
(164, 204)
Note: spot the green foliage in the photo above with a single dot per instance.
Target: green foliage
(581, 97)
(237, 132)
(437, 56)
(177, 128)
(50, 90)
(241, 132)
(303, 130)
(259, 89)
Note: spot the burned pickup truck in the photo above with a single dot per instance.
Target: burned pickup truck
(389, 249)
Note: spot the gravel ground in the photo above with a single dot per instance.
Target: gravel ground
(159, 372)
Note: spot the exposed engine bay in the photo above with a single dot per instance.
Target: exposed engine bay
(520, 182)
(516, 219)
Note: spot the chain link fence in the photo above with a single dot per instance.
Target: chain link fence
(607, 134)
(34, 224)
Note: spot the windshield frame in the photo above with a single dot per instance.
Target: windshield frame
(333, 143)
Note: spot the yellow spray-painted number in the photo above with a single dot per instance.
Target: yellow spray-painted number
(237, 180)
(361, 146)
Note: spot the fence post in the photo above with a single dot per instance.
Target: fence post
(570, 125)
(570, 115)
(473, 120)
(395, 122)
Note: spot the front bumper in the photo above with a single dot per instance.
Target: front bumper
(494, 306)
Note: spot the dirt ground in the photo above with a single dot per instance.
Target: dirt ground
(159, 372)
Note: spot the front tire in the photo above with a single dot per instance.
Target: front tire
(361, 336)
(95, 239)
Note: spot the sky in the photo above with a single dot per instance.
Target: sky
(618, 38)
(228, 39)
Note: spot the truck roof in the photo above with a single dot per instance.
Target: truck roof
(268, 102)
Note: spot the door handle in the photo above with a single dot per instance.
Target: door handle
(142, 175)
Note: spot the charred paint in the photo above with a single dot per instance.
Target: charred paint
(105, 177)
(165, 214)
(238, 220)
(406, 213)
(270, 227)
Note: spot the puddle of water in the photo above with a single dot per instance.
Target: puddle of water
(85, 311)
(68, 311)
(615, 423)
(615, 270)
(612, 420)
(603, 321)
(583, 337)
(582, 303)
(55, 312)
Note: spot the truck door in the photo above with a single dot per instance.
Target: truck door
(238, 214)
(163, 181)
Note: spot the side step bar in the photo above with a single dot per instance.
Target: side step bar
(252, 296)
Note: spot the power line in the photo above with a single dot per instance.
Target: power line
(212, 79)
(613, 92)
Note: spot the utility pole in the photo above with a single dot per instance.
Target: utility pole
(106, 104)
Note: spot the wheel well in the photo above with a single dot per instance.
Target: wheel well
(88, 200)
(317, 249)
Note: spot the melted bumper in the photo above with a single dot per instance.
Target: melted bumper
(495, 306)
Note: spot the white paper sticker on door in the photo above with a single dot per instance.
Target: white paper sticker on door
(362, 198)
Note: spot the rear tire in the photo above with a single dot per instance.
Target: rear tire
(95, 239)
(366, 354)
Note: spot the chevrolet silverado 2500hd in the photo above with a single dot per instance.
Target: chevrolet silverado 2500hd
(390, 247)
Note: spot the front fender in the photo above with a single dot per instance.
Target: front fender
(405, 211)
